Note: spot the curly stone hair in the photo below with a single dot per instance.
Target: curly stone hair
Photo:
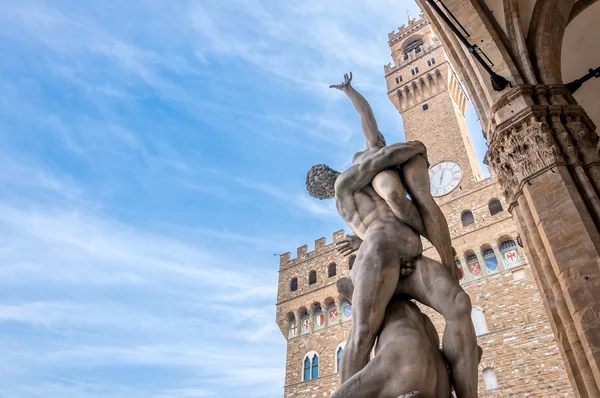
(320, 181)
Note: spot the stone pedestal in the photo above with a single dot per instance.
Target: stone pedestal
(543, 148)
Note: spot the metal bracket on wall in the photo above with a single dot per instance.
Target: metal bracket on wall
(577, 83)
(499, 83)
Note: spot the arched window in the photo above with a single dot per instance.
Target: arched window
(307, 369)
(315, 367)
(292, 326)
(331, 271)
(510, 256)
(351, 261)
(467, 218)
(294, 284)
(474, 266)
(413, 45)
(305, 321)
(312, 277)
(491, 262)
(495, 207)
(333, 316)
(339, 358)
(489, 379)
(319, 318)
(346, 311)
(478, 318)
(310, 366)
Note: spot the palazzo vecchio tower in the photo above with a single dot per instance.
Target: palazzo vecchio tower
(521, 357)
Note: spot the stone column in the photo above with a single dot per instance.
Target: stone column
(498, 258)
(484, 270)
(548, 173)
(465, 267)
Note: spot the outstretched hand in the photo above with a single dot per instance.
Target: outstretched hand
(345, 84)
(348, 245)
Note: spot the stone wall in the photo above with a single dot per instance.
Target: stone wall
(519, 346)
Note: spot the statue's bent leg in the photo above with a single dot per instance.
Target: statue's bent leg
(433, 285)
(375, 275)
(416, 178)
(389, 186)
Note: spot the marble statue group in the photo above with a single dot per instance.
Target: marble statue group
(385, 199)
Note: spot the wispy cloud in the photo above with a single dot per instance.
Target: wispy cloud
(153, 158)
(296, 200)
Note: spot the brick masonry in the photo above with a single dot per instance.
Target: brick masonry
(519, 344)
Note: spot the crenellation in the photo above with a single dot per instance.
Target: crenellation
(339, 235)
(302, 254)
(320, 243)
(302, 251)
(284, 259)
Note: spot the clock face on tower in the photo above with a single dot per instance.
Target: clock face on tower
(444, 177)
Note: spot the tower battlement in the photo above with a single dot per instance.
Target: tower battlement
(414, 24)
(302, 253)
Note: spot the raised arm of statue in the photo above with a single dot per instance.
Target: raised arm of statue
(369, 125)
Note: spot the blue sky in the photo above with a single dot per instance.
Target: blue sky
(153, 156)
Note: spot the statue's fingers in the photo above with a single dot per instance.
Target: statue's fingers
(350, 75)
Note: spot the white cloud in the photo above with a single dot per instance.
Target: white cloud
(297, 200)
(97, 291)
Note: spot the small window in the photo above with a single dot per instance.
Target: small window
(414, 71)
(398, 79)
(425, 107)
(331, 270)
(312, 277)
(339, 358)
(495, 207)
(351, 261)
(489, 379)
(294, 284)
(479, 322)
(431, 62)
(467, 218)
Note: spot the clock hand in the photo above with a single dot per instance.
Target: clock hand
(441, 177)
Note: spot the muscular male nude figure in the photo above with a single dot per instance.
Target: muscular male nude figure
(389, 242)
(388, 184)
